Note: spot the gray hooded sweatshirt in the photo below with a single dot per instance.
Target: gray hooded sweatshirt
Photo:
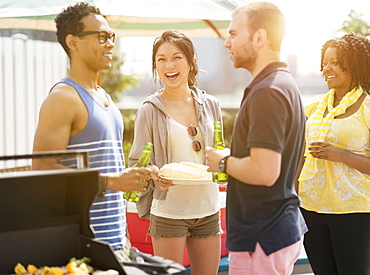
(152, 125)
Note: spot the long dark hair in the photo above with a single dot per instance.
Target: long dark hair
(184, 44)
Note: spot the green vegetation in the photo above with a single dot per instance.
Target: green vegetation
(114, 82)
(355, 24)
(128, 134)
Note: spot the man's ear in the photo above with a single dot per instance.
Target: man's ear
(260, 38)
(71, 42)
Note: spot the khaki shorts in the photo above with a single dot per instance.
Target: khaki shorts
(194, 228)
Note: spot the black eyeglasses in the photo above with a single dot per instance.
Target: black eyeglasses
(196, 145)
(102, 35)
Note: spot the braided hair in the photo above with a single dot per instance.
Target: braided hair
(353, 55)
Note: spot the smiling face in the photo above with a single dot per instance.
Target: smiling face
(335, 76)
(172, 66)
(95, 55)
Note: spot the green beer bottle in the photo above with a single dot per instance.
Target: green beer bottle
(141, 163)
(218, 143)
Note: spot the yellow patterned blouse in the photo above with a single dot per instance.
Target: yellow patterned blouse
(338, 188)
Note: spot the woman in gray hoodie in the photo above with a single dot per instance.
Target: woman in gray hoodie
(178, 120)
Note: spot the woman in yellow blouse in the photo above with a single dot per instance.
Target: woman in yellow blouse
(334, 184)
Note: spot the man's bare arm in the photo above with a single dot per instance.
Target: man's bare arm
(262, 167)
(58, 115)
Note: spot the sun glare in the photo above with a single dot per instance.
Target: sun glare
(311, 23)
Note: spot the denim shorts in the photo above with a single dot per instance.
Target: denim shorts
(194, 228)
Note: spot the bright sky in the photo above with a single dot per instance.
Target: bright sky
(309, 25)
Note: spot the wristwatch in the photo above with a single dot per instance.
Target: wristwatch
(222, 164)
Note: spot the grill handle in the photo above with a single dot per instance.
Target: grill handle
(82, 156)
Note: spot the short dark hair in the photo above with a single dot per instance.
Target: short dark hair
(69, 21)
(353, 55)
(267, 16)
(184, 44)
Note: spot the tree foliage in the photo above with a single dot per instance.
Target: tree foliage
(114, 82)
(355, 24)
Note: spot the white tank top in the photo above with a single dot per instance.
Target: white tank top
(186, 201)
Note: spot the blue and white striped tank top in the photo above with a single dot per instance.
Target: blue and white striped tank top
(102, 138)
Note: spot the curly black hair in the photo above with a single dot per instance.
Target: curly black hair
(69, 21)
(353, 55)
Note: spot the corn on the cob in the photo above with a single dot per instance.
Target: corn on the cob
(185, 170)
(197, 166)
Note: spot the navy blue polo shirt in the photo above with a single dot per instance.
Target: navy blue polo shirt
(271, 116)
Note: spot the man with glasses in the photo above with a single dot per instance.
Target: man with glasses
(103, 36)
(78, 114)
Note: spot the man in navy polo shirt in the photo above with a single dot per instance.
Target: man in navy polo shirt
(264, 225)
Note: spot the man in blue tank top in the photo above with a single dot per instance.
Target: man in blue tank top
(78, 114)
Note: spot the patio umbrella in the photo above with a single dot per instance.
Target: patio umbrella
(196, 18)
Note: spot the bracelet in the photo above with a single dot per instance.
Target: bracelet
(103, 181)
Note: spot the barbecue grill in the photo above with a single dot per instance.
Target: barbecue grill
(44, 221)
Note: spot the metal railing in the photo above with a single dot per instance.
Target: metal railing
(82, 158)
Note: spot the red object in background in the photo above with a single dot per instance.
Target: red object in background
(222, 187)
(138, 230)
(224, 250)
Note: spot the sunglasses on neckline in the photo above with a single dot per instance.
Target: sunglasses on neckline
(103, 36)
(196, 145)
